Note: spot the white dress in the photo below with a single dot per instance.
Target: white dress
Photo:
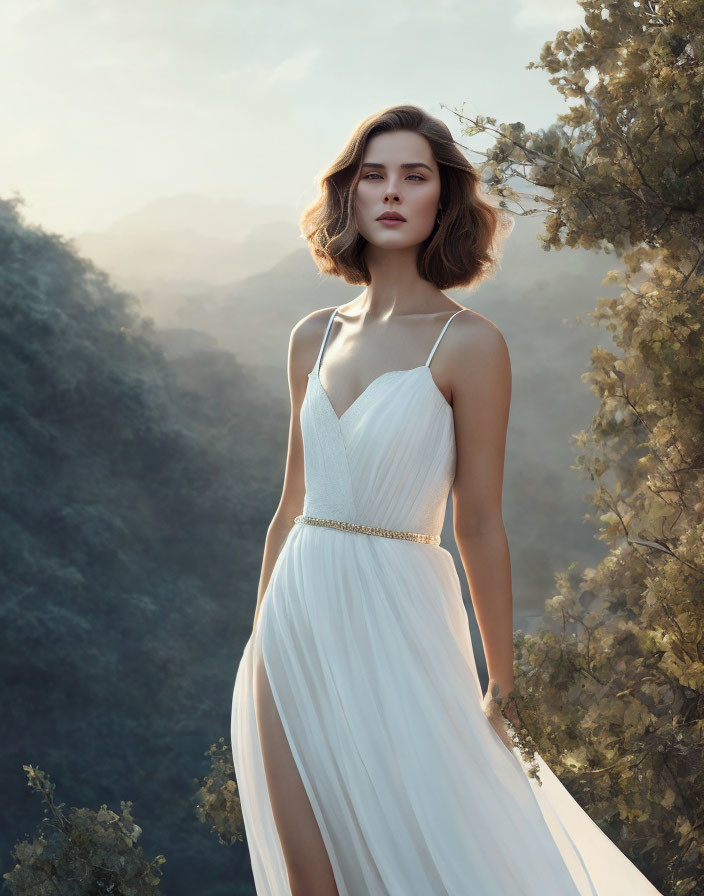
(367, 647)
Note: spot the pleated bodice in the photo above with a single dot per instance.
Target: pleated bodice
(389, 459)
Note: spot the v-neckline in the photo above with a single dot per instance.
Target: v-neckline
(316, 371)
(381, 376)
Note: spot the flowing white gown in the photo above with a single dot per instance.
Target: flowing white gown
(367, 647)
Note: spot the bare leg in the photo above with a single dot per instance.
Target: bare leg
(307, 861)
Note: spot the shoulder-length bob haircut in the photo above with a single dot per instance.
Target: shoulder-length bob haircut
(462, 250)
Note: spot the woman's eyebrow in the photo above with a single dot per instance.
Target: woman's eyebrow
(404, 165)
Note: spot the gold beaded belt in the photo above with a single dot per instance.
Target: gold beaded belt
(368, 530)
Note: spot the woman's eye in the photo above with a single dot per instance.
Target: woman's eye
(374, 174)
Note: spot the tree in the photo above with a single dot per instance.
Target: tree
(218, 796)
(623, 672)
(83, 852)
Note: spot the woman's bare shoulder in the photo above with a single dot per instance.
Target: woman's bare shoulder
(477, 354)
(306, 337)
(475, 333)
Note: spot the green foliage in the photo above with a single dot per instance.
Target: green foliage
(135, 494)
(82, 853)
(612, 688)
(218, 798)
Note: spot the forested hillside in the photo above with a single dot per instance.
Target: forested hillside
(134, 507)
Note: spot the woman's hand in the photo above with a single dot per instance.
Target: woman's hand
(493, 712)
(512, 732)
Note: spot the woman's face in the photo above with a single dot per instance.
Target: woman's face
(385, 185)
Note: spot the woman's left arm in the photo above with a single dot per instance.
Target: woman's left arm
(481, 398)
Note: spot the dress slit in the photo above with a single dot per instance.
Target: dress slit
(260, 651)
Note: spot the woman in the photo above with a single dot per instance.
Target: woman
(367, 759)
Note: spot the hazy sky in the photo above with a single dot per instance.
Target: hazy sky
(107, 105)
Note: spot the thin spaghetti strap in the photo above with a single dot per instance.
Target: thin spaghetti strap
(325, 339)
(437, 341)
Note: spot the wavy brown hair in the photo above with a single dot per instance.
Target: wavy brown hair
(461, 250)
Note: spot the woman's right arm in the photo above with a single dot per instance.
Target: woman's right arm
(303, 346)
